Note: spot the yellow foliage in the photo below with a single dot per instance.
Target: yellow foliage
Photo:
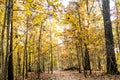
(28, 12)
(27, 5)
(39, 8)
(30, 1)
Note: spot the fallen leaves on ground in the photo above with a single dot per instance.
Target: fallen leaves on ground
(72, 75)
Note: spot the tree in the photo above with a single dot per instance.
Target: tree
(2, 39)
(25, 49)
(8, 60)
(111, 61)
(39, 50)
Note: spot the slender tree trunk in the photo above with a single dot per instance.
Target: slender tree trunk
(99, 63)
(81, 41)
(51, 53)
(39, 50)
(34, 50)
(58, 59)
(7, 41)
(49, 63)
(43, 63)
(10, 61)
(29, 70)
(23, 70)
(8, 68)
(87, 59)
(78, 58)
(85, 44)
(2, 40)
(111, 60)
(18, 62)
(30, 52)
(25, 52)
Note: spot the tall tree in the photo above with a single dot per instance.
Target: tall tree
(9, 61)
(78, 57)
(25, 50)
(51, 52)
(26, 43)
(39, 49)
(25, 57)
(111, 61)
(2, 39)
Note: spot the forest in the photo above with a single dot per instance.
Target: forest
(59, 39)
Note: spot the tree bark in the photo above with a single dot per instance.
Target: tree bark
(18, 63)
(10, 61)
(39, 50)
(87, 59)
(8, 68)
(80, 40)
(2, 40)
(43, 62)
(25, 52)
(111, 60)
(51, 53)
(99, 63)
(78, 58)
(29, 70)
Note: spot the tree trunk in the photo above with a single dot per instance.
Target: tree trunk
(111, 61)
(2, 40)
(87, 59)
(25, 52)
(49, 62)
(78, 58)
(8, 68)
(43, 63)
(81, 41)
(18, 62)
(99, 63)
(29, 70)
(39, 50)
(10, 61)
(51, 53)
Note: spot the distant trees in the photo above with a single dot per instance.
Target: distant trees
(49, 36)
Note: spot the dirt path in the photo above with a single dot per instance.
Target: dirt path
(73, 75)
(62, 75)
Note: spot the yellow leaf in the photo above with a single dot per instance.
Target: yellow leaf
(28, 12)
(27, 6)
(39, 8)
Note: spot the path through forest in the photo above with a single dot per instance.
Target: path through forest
(62, 75)
(73, 75)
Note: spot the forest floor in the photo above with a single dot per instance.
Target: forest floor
(73, 75)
